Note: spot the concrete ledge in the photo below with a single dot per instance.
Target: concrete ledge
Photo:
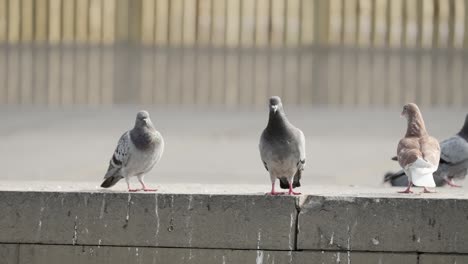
(327, 224)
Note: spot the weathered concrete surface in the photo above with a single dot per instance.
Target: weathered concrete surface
(440, 258)
(148, 219)
(50, 254)
(9, 253)
(424, 223)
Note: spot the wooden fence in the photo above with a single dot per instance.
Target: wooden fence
(233, 52)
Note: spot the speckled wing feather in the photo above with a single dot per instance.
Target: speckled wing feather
(454, 150)
(121, 156)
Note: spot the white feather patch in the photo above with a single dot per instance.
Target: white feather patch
(420, 173)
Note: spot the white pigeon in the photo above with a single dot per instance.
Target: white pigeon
(282, 149)
(138, 150)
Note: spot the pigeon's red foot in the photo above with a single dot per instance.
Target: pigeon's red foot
(427, 191)
(406, 191)
(294, 193)
(149, 190)
(275, 193)
(134, 190)
(451, 183)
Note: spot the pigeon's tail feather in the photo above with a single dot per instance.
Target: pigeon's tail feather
(110, 181)
(284, 184)
(396, 178)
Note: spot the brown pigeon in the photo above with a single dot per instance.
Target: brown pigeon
(418, 153)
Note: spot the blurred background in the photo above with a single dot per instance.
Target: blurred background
(73, 73)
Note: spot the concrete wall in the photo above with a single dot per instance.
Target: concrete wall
(47, 226)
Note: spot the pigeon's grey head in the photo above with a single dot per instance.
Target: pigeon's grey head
(410, 110)
(143, 119)
(275, 105)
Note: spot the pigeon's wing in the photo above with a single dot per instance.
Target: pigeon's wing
(302, 150)
(430, 149)
(263, 147)
(454, 150)
(408, 151)
(120, 157)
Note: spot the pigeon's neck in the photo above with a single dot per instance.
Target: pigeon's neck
(277, 121)
(464, 131)
(143, 137)
(416, 127)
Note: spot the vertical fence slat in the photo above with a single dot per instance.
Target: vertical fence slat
(54, 77)
(396, 17)
(67, 75)
(219, 23)
(147, 22)
(146, 75)
(68, 21)
(121, 19)
(248, 23)
(232, 79)
(107, 82)
(3, 75)
(81, 21)
(380, 31)
(261, 23)
(3, 21)
(26, 76)
(276, 74)
(443, 26)
(233, 23)
(278, 23)
(190, 23)
(14, 21)
(188, 78)
(204, 22)
(217, 78)
(307, 22)
(81, 76)
(13, 76)
(321, 21)
(411, 34)
(335, 23)
(350, 22)
(291, 77)
(94, 75)
(246, 79)
(55, 14)
(459, 23)
(203, 74)
(160, 94)
(26, 21)
(175, 22)
(306, 67)
(95, 19)
(174, 77)
(427, 24)
(365, 22)
(162, 22)
(261, 79)
(292, 23)
(109, 21)
(40, 67)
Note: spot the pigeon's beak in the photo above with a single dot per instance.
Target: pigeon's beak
(274, 108)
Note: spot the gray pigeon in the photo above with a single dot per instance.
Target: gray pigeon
(138, 150)
(453, 161)
(282, 149)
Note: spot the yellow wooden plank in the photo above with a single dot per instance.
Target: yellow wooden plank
(40, 69)
(307, 22)
(147, 21)
(411, 38)
(94, 75)
(81, 22)
(175, 22)
(14, 20)
(233, 23)
(278, 23)
(40, 21)
(189, 22)
(134, 21)
(53, 84)
(13, 75)
(55, 23)
(3, 21)
(247, 37)
(380, 21)
(396, 17)
(95, 21)
(322, 18)
(336, 22)
(109, 13)
(26, 75)
(204, 22)
(261, 23)
(67, 75)
(121, 19)
(465, 30)
(188, 78)
(107, 76)
(26, 21)
(443, 26)
(160, 94)
(68, 21)
(350, 22)
(292, 22)
(427, 24)
(365, 23)
(162, 22)
(81, 76)
(146, 74)
(219, 23)
(459, 24)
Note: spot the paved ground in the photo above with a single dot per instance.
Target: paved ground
(344, 146)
